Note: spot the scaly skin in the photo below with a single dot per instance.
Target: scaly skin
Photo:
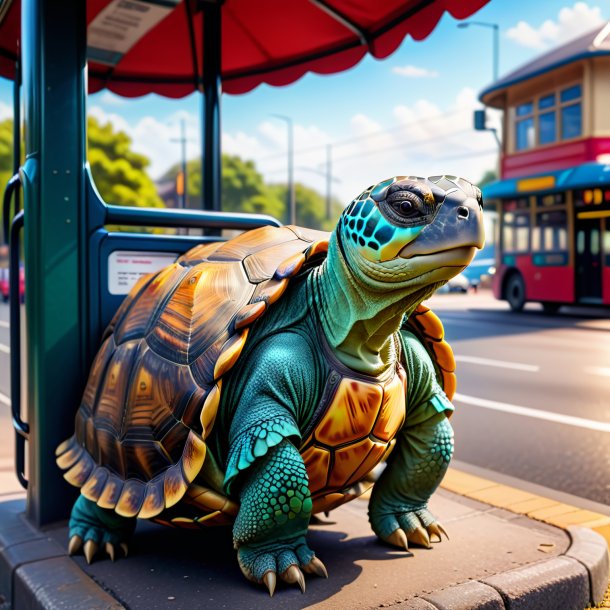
(416, 467)
(98, 529)
(275, 507)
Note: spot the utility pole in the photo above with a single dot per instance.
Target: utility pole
(181, 179)
(291, 199)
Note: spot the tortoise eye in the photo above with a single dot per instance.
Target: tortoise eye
(408, 204)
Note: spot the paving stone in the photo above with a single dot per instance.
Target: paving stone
(471, 595)
(561, 582)
(591, 550)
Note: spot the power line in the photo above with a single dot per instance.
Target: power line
(375, 134)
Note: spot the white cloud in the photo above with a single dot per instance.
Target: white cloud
(6, 111)
(110, 99)
(414, 72)
(419, 139)
(570, 23)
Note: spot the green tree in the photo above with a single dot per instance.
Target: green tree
(243, 188)
(311, 207)
(489, 176)
(119, 173)
(6, 151)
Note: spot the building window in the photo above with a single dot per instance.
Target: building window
(552, 116)
(525, 130)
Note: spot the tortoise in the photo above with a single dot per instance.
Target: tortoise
(257, 381)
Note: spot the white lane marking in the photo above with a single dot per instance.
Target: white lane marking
(558, 418)
(5, 399)
(530, 368)
(602, 371)
(5, 348)
(3, 324)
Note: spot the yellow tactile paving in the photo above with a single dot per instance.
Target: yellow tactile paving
(528, 506)
(463, 483)
(502, 494)
(525, 503)
(544, 514)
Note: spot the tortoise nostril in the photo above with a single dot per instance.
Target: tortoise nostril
(463, 212)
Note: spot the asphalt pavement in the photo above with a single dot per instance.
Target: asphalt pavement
(532, 399)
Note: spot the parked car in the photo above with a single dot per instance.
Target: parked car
(4, 284)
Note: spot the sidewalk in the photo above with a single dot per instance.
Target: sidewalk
(495, 559)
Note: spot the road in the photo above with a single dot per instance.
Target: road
(532, 401)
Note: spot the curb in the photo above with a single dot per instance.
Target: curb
(574, 580)
(35, 569)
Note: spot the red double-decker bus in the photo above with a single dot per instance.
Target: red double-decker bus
(553, 197)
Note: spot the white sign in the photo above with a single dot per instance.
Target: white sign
(125, 268)
(121, 24)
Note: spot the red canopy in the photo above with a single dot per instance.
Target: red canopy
(263, 41)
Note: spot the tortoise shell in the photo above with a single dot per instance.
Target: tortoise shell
(154, 387)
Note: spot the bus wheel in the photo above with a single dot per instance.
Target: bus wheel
(550, 308)
(515, 292)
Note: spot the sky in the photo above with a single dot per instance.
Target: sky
(408, 114)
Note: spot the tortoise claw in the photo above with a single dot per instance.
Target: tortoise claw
(315, 566)
(90, 549)
(292, 575)
(419, 536)
(125, 548)
(74, 545)
(398, 538)
(270, 580)
(109, 548)
(436, 529)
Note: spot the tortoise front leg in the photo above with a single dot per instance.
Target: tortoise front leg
(270, 529)
(398, 509)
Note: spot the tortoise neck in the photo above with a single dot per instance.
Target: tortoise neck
(359, 322)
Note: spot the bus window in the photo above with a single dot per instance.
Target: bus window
(550, 232)
(606, 243)
(551, 199)
(580, 241)
(516, 232)
(595, 242)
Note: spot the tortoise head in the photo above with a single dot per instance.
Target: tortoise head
(411, 229)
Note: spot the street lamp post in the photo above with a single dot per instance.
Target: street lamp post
(291, 200)
(496, 42)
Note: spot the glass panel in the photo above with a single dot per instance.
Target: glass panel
(571, 121)
(523, 239)
(546, 127)
(536, 245)
(525, 109)
(551, 199)
(508, 237)
(571, 93)
(525, 134)
(595, 242)
(580, 242)
(553, 231)
(548, 101)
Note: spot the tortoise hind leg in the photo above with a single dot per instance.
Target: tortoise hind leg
(93, 528)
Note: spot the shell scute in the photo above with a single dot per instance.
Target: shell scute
(155, 386)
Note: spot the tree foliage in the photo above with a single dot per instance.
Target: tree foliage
(489, 176)
(119, 173)
(244, 190)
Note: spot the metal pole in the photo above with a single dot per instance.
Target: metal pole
(496, 36)
(57, 284)
(290, 193)
(184, 182)
(212, 89)
(17, 130)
